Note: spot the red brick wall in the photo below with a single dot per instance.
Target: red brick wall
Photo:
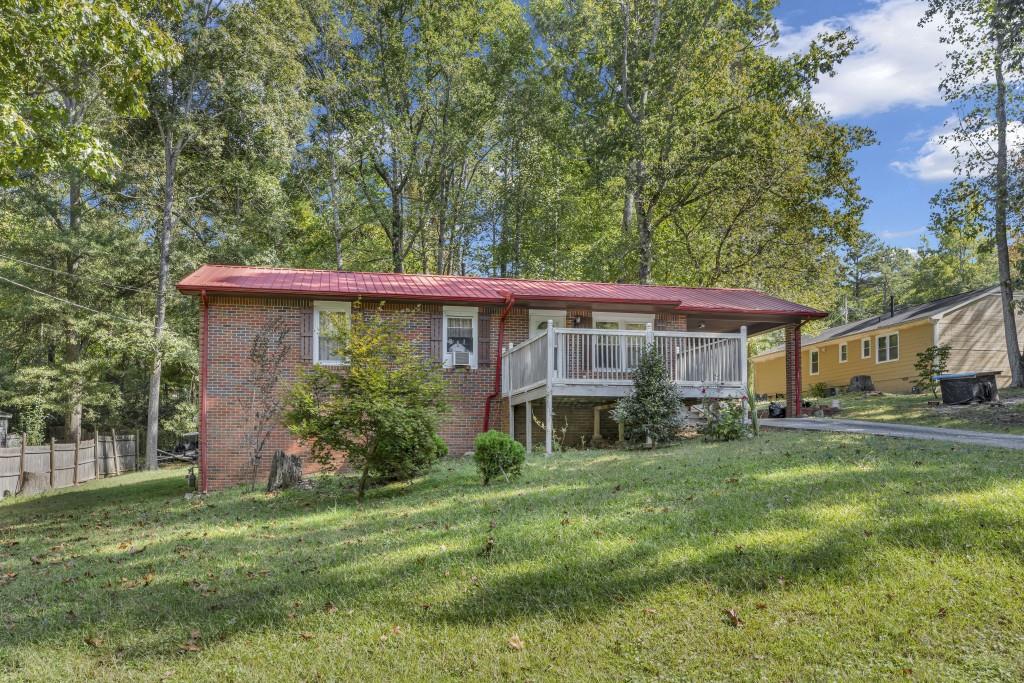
(234, 320)
(794, 404)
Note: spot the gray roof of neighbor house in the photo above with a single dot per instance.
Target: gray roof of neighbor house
(901, 316)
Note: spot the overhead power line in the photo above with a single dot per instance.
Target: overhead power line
(116, 316)
(79, 276)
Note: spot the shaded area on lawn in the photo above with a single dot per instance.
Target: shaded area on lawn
(138, 571)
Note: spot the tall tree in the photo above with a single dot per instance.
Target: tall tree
(235, 94)
(959, 256)
(984, 75)
(57, 59)
(67, 79)
(407, 95)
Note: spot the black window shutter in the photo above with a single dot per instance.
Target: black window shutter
(306, 335)
(483, 356)
(436, 342)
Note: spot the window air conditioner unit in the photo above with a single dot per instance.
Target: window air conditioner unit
(459, 359)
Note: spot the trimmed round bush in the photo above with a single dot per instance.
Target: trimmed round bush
(498, 455)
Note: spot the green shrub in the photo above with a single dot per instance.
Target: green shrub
(406, 447)
(724, 421)
(652, 414)
(496, 453)
(932, 361)
(819, 390)
(381, 409)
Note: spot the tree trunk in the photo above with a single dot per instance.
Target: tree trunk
(339, 260)
(285, 471)
(397, 233)
(166, 229)
(1002, 201)
(363, 479)
(73, 343)
(645, 247)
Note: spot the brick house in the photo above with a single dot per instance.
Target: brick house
(551, 356)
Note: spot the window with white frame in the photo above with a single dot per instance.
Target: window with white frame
(843, 353)
(814, 363)
(460, 336)
(888, 346)
(865, 348)
(329, 319)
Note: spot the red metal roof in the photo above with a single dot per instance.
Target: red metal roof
(463, 289)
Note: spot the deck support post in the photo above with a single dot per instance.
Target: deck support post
(548, 417)
(529, 426)
(747, 394)
(511, 408)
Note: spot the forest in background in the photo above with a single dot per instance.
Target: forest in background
(608, 140)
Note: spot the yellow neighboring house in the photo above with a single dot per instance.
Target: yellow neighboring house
(885, 348)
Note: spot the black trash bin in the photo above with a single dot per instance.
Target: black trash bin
(960, 388)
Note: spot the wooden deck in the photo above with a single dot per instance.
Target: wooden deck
(599, 363)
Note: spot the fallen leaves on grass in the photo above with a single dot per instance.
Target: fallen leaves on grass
(516, 643)
(306, 635)
(192, 644)
(93, 641)
(733, 617)
(330, 608)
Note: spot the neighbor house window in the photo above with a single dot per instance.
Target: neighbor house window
(329, 319)
(460, 336)
(843, 353)
(865, 348)
(814, 362)
(888, 347)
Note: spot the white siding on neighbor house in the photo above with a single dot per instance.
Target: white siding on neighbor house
(975, 336)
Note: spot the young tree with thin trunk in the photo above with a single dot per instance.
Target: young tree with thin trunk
(984, 75)
(236, 87)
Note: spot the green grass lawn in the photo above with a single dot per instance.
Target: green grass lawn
(914, 409)
(845, 557)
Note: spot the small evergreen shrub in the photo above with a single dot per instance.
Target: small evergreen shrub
(652, 414)
(932, 361)
(498, 454)
(724, 421)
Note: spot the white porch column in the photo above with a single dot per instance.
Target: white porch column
(529, 426)
(548, 417)
(511, 408)
(747, 394)
(547, 424)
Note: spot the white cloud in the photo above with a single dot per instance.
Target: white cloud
(895, 62)
(899, 234)
(934, 161)
(936, 158)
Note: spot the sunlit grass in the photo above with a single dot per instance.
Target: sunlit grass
(845, 557)
(916, 409)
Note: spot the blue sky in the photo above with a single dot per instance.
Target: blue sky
(889, 84)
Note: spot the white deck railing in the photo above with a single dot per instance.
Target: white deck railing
(591, 356)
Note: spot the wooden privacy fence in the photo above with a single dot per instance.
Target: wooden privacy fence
(33, 469)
